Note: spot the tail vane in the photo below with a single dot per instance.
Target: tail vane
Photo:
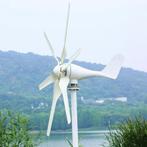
(113, 68)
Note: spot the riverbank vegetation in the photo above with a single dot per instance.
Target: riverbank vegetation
(90, 117)
(130, 133)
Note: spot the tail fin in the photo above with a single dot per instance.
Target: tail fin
(113, 68)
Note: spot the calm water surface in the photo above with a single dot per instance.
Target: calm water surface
(86, 139)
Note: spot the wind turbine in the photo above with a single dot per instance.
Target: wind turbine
(65, 74)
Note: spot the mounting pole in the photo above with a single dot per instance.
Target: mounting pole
(73, 88)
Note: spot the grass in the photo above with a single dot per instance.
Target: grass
(130, 133)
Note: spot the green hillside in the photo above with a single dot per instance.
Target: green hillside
(20, 75)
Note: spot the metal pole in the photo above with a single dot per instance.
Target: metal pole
(73, 89)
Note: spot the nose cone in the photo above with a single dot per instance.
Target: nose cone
(56, 70)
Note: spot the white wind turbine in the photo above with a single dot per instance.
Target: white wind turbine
(67, 73)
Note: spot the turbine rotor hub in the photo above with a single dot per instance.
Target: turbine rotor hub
(60, 70)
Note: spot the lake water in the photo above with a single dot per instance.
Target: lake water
(87, 139)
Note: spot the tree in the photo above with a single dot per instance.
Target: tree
(14, 130)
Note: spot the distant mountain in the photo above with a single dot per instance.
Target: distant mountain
(21, 73)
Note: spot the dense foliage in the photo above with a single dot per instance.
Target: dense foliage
(89, 116)
(14, 131)
(131, 133)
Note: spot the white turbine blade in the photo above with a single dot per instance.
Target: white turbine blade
(71, 59)
(50, 46)
(56, 95)
(112, 70)
(64, 52)
(63, 83)
(49, 80)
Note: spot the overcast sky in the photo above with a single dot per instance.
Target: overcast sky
(102, 28)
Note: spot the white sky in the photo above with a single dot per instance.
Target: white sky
(102, 28)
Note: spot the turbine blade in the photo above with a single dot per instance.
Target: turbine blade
(71, 59)
(50, 46)
(63, 83)
(50, 79)
(64, 51)
(56, 95)
(112, 70)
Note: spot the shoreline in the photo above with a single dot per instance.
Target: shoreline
(69, 132)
